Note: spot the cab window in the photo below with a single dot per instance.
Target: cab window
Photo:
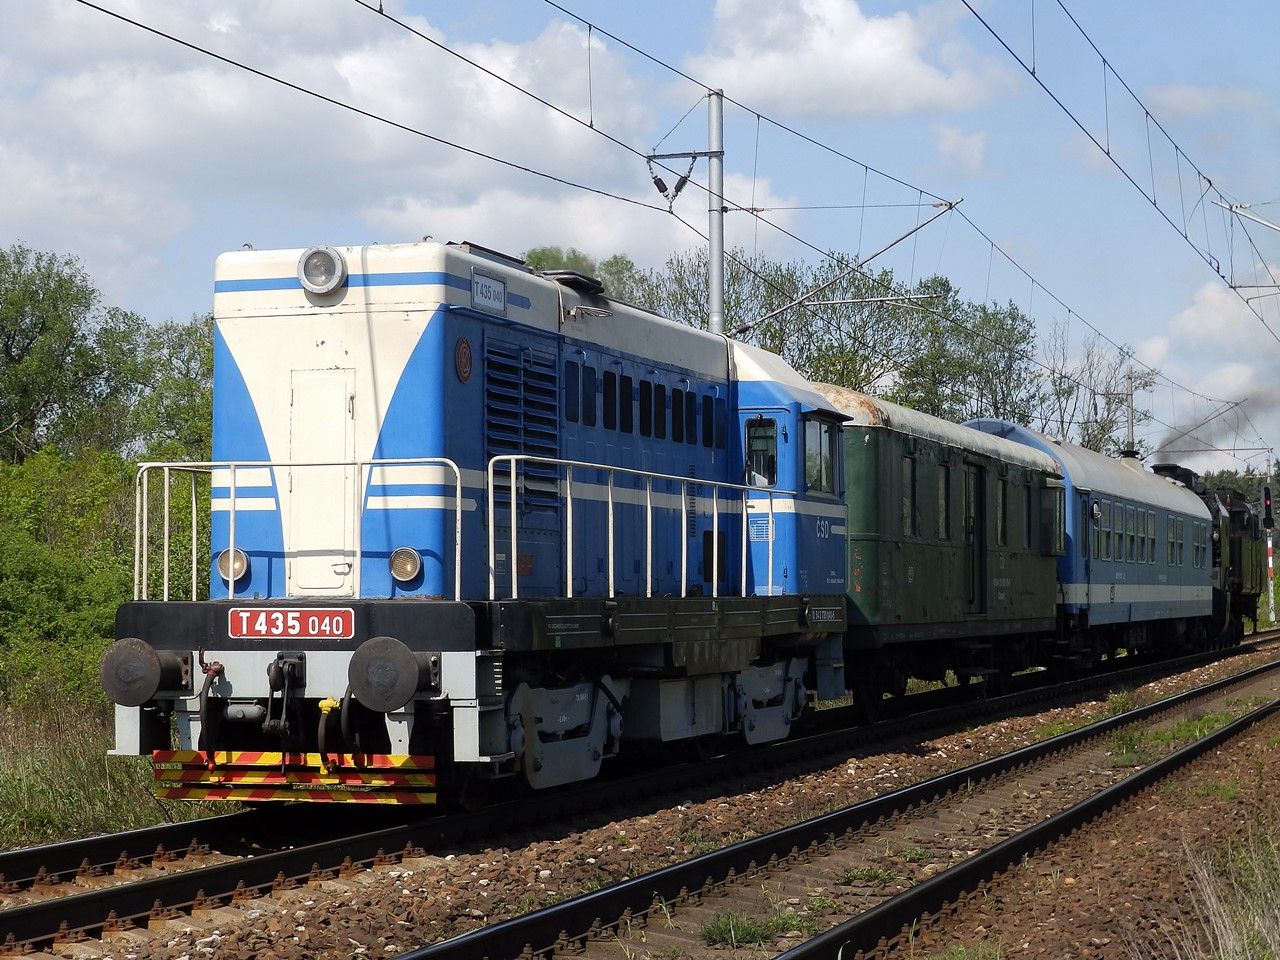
(762, 452)
(820, 455)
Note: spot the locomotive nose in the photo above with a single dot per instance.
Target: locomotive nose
(132, 671)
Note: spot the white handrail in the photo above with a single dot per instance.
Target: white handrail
(142, 512)
(510, 461)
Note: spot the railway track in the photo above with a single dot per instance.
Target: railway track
(962, 826)
(69, 891)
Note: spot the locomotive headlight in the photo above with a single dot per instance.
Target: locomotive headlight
(322, 269)
(233, 567)
(405, 563)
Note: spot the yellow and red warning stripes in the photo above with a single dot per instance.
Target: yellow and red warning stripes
(272, 775)
(261, 794)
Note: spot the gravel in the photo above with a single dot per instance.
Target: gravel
(385, 911)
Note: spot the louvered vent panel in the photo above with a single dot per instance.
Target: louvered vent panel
(522, 416)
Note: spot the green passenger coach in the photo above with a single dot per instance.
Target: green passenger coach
(952, 540)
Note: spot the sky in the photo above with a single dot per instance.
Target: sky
(145, 159)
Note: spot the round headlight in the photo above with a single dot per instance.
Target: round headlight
(229, 566)
(405, 564)
(322, 269)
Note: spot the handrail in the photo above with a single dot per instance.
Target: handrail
(142, 511)
(511, 460)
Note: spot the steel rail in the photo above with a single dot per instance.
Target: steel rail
(887, 920)
(38, 922)
(558, 926)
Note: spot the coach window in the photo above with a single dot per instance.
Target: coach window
(1172, 533)
(588, 396)
(677, 415)
(722, 423)
(910, 525)
(646, 408)
(659, 411)
(690, 417)
(820, 455)
(1142, 536)
(1130, 534)
(1059, 521)
(626, 404)
(1106, 529)
(1028, 516)
(708, 420)
(944, 501)
(610, 400)
(1151, 536)
(762, 452)
(1002, 512)
(1182, 539)
(572, 388)
(1119, 531)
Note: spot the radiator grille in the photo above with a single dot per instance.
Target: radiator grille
(522, 416)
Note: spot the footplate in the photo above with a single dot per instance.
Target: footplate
(254, 776)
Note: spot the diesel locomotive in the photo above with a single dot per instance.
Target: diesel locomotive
(468, 525)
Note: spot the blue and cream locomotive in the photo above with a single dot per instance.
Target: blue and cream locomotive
(469, 523)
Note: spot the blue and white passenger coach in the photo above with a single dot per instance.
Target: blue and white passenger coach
(472, 522)
(1137, 571)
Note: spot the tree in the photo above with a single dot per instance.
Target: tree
(172, 416)
(556, 258)
(50, 367)
(1086, 399)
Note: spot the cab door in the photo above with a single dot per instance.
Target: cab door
(769, 443)
(319, 541)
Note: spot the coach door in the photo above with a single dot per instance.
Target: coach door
(319, 541)
(975, 535)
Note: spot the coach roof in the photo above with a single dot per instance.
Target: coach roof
(1089, 470)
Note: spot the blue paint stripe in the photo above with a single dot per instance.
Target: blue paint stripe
(245, 493)
(516, 300)
(435, 278)
(410, 489)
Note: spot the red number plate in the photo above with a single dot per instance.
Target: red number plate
(306, 623)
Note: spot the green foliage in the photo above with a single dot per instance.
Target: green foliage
(83, 390)
(977, 951)
(67, 563)
(56, 781)
(866, 876)
(736, 929)
(76, 376)
(556, 258)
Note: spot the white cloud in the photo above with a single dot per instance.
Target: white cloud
(1216, 316)
(1214, 346)
(963, 153)
(828, 58)
(121, 138)
(1192, 101)
(513, 221)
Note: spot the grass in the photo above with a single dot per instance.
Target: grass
(867, 877)
(916, 685)
(1117, 702)
(734, 929)
(977, 951)
(915, 854)
(1133, 746)
(1228, 790)
(57, 783)
(1236, 891)
(700, 841)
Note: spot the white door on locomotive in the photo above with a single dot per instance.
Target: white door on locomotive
(322, 497)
